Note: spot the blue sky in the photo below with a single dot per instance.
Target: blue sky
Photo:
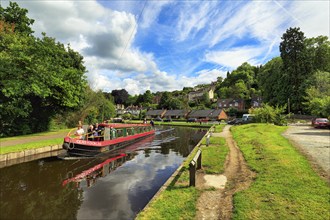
(167, 45)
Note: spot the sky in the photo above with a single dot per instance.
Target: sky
(161, 45)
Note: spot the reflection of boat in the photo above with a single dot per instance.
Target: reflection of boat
(92, 169)
(101, 169)
(111, 138)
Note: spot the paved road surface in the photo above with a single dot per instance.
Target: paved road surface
(314, 142)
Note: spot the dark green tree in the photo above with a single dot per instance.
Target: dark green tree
(39, 79)
(296, 66)
(120, 96)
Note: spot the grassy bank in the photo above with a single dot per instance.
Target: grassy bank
(179, 200)
(32, 141)
(286, 187)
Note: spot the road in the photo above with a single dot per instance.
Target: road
(314, 143)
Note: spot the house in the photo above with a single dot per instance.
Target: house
(133, 110)
(256, 102)
(176, 114)
(155, 113)
(231, 103)
(210, 114)
(120, 109)
(197, 95)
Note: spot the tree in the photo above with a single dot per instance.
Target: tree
(39, 79)
(296, 67)
(120, 96)
(16, 16)
(270, 80)
(318, 94)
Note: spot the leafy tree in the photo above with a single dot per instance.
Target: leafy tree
(271, 79)
(318, 94)
(16, 16)
(39, 78)
(120, 96)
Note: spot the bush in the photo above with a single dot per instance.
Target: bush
(269, 114)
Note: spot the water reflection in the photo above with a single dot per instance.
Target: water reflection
(114, 187)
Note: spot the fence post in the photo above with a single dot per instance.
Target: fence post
(192, 173)
(195, 164)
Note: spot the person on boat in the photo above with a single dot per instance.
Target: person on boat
(113, 133)
(79, 132)
(152, 123)
(90, 133)
(145, 121)
(97, 131)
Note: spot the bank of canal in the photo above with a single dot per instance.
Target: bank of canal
(94, 188)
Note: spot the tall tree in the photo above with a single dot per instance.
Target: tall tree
(293, 54)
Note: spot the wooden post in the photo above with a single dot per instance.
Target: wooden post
(192, 173)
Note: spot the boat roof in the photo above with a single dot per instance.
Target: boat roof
(120, 125)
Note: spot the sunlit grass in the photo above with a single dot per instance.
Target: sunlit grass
(286, 187)
(33, 143)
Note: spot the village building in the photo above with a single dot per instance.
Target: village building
(210, 114)
(155, 113)
(231, 103)
(176, 114)
(197, 95)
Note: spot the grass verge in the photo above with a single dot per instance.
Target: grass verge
(32, 142)
(179, 200)
(31, 145)
(286, 187)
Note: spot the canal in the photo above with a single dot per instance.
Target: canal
(114, 187)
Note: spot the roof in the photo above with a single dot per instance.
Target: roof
(176, 113)
(200, 113)
(211, 113)
(155, 112)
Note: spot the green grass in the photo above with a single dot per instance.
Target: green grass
(286, 187)
(179, 200)
(214, 156)
(33, 143)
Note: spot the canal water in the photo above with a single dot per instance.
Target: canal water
(114, 187)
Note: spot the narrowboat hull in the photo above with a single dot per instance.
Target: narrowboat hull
(87, 148)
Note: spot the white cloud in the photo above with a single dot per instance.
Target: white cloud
(194, 17)
(235, 57)
(187, 36)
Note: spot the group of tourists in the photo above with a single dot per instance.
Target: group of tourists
(94, 132)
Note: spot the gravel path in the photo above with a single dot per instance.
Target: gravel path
(314, 143)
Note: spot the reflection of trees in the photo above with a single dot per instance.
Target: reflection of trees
(33, 191)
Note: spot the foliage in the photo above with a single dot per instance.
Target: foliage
(16, 16)
(318, 94)
(41, 78)
(120, 96)
(167, 101)
(285, 184)
(296, 66)
(268, 114)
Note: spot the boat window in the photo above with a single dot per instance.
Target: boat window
(119, 133)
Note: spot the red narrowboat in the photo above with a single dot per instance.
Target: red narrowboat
(108, 138)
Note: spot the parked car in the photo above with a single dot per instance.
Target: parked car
(117, 120)
(320, 123)
(192, 120)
